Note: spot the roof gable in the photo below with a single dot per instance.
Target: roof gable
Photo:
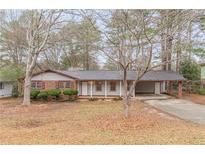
(54, 71)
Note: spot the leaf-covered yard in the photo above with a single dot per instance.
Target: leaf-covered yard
(87, 122)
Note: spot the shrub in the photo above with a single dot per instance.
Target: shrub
(43, 95)
(15, 92)
(201, 91)
(34, 94)
(54, 92)
(72, 98)
(117, 99)
(68, 92)
(93, 99)
(72, 93)
(75, 92)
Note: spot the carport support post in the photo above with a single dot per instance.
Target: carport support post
(179, 88)
(91, 89)
(170, 87)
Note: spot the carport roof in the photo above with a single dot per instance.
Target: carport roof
(118, 75)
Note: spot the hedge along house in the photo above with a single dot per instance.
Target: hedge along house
(106, 83)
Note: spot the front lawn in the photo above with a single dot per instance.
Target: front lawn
(87, 122)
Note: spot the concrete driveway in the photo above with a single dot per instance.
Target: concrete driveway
(181, 108)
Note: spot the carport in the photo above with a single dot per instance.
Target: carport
(159, 82)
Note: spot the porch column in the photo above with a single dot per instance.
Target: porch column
(105, 88)
(120, 88)
(91, 89)
(180, 89)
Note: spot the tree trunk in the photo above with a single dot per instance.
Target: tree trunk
(169, 52)
(27, 86)
(126, 103)
(163, 50)
(87, 67)
(126, 106)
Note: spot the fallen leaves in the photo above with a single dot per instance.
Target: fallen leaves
(100, 122)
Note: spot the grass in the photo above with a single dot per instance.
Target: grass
(96, 122)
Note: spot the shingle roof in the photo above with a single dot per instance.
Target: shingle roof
(118, 75)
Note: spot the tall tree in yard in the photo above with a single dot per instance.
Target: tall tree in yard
(129, 38)
(40, 23)
(128, 43)
(79, 42)
(12, 40)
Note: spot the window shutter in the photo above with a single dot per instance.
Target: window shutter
(43, 85)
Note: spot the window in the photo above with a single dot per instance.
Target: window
(68, 84)
(98, 86)
(1, 85)
(64, 84)
(60, 85)
(37, 85)
(112, 86)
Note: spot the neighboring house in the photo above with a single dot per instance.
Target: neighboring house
(203, 74)
(105, 83)
(5, 88)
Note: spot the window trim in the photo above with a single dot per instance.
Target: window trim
(115, 83)
(97, 84)
(36, 85)
(64, 83)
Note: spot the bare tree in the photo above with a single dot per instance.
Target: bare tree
(129, 38)
(128, 43)
(40, 24)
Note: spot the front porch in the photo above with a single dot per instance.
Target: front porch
(111, 89)
(100, 89)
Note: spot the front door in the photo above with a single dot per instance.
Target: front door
(84, 88)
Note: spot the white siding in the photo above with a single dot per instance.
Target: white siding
(102, 93)
(7, 90)
(117, 92)
(145, 87)
(96, 93)
(50, 76)
(163, 87)
(157, 88)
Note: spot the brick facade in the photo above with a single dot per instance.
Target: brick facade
(55, 84)
(50, 84)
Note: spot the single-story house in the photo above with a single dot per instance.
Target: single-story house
(106, 83)
(6, 88)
